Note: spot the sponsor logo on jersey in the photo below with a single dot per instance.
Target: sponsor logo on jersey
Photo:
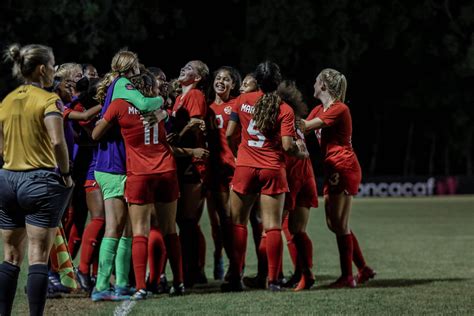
(129, 86)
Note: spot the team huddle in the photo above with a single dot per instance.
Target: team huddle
(141, 156)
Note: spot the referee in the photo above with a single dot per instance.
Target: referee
(35, 182)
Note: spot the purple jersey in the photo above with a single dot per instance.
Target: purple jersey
(111, 151)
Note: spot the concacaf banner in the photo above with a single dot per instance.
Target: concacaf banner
(393, 186)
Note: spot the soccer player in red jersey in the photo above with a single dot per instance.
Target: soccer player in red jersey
(267, 130)
(151, 182)
(190, 107)
(341, 169)
(302, 196)
(221, 162)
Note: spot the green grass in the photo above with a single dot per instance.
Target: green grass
(421, 248)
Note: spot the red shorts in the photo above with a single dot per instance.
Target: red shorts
(191, 172)
(151, 188)
(249, 180)
(91, 186)
(218, 178)
(303, 192)
(345, 179)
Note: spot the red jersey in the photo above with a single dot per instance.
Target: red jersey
(297, 168)
(192, 104)
(336, 138)
(220, 150)
(146, 148)
(255, 149)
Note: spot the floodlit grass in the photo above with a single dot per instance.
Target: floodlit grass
(421, 248)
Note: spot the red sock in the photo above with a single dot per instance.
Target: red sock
(217, 238)
(156, 254)
(345, 246)
(140, 254)
(305, 251)
(74, 241)
(262, 257)
(173, 249)
(274, 253)
(357, 256)
(239, 246)
(89, 243)
(202, 248)
(227, 236)
(289, 241)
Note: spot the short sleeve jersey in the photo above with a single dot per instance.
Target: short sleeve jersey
(255, 149)
(192, 104)
(220, 151)
(297, 168)
(147, 151)
(336, 138)
(111, 153)
(27, 144)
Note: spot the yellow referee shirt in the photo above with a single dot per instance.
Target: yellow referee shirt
(26, 143)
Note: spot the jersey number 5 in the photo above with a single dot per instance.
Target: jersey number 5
(254, 132)
(148, 134)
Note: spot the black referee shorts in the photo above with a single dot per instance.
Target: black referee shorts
(37, 197)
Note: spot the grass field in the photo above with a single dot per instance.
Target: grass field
(421, 248)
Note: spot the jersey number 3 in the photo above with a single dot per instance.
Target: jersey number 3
(254, 132)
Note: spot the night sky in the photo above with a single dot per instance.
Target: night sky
(410, 66)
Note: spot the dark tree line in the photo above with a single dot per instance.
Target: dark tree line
(410, 64)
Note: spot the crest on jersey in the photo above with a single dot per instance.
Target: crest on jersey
(129, 86)
(228, 110)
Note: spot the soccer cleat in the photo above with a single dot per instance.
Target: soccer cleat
(55, 283)
(292, 281)
(84, 281)
(365, 274)
(256, 282)
(124, 290)
(274, 287)
(107, 295)
(163, 286)
(234, 286)
(139, 295)
(177, 290)
(219, 268)
(342, 282)
(201, 277)
(305, 283)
